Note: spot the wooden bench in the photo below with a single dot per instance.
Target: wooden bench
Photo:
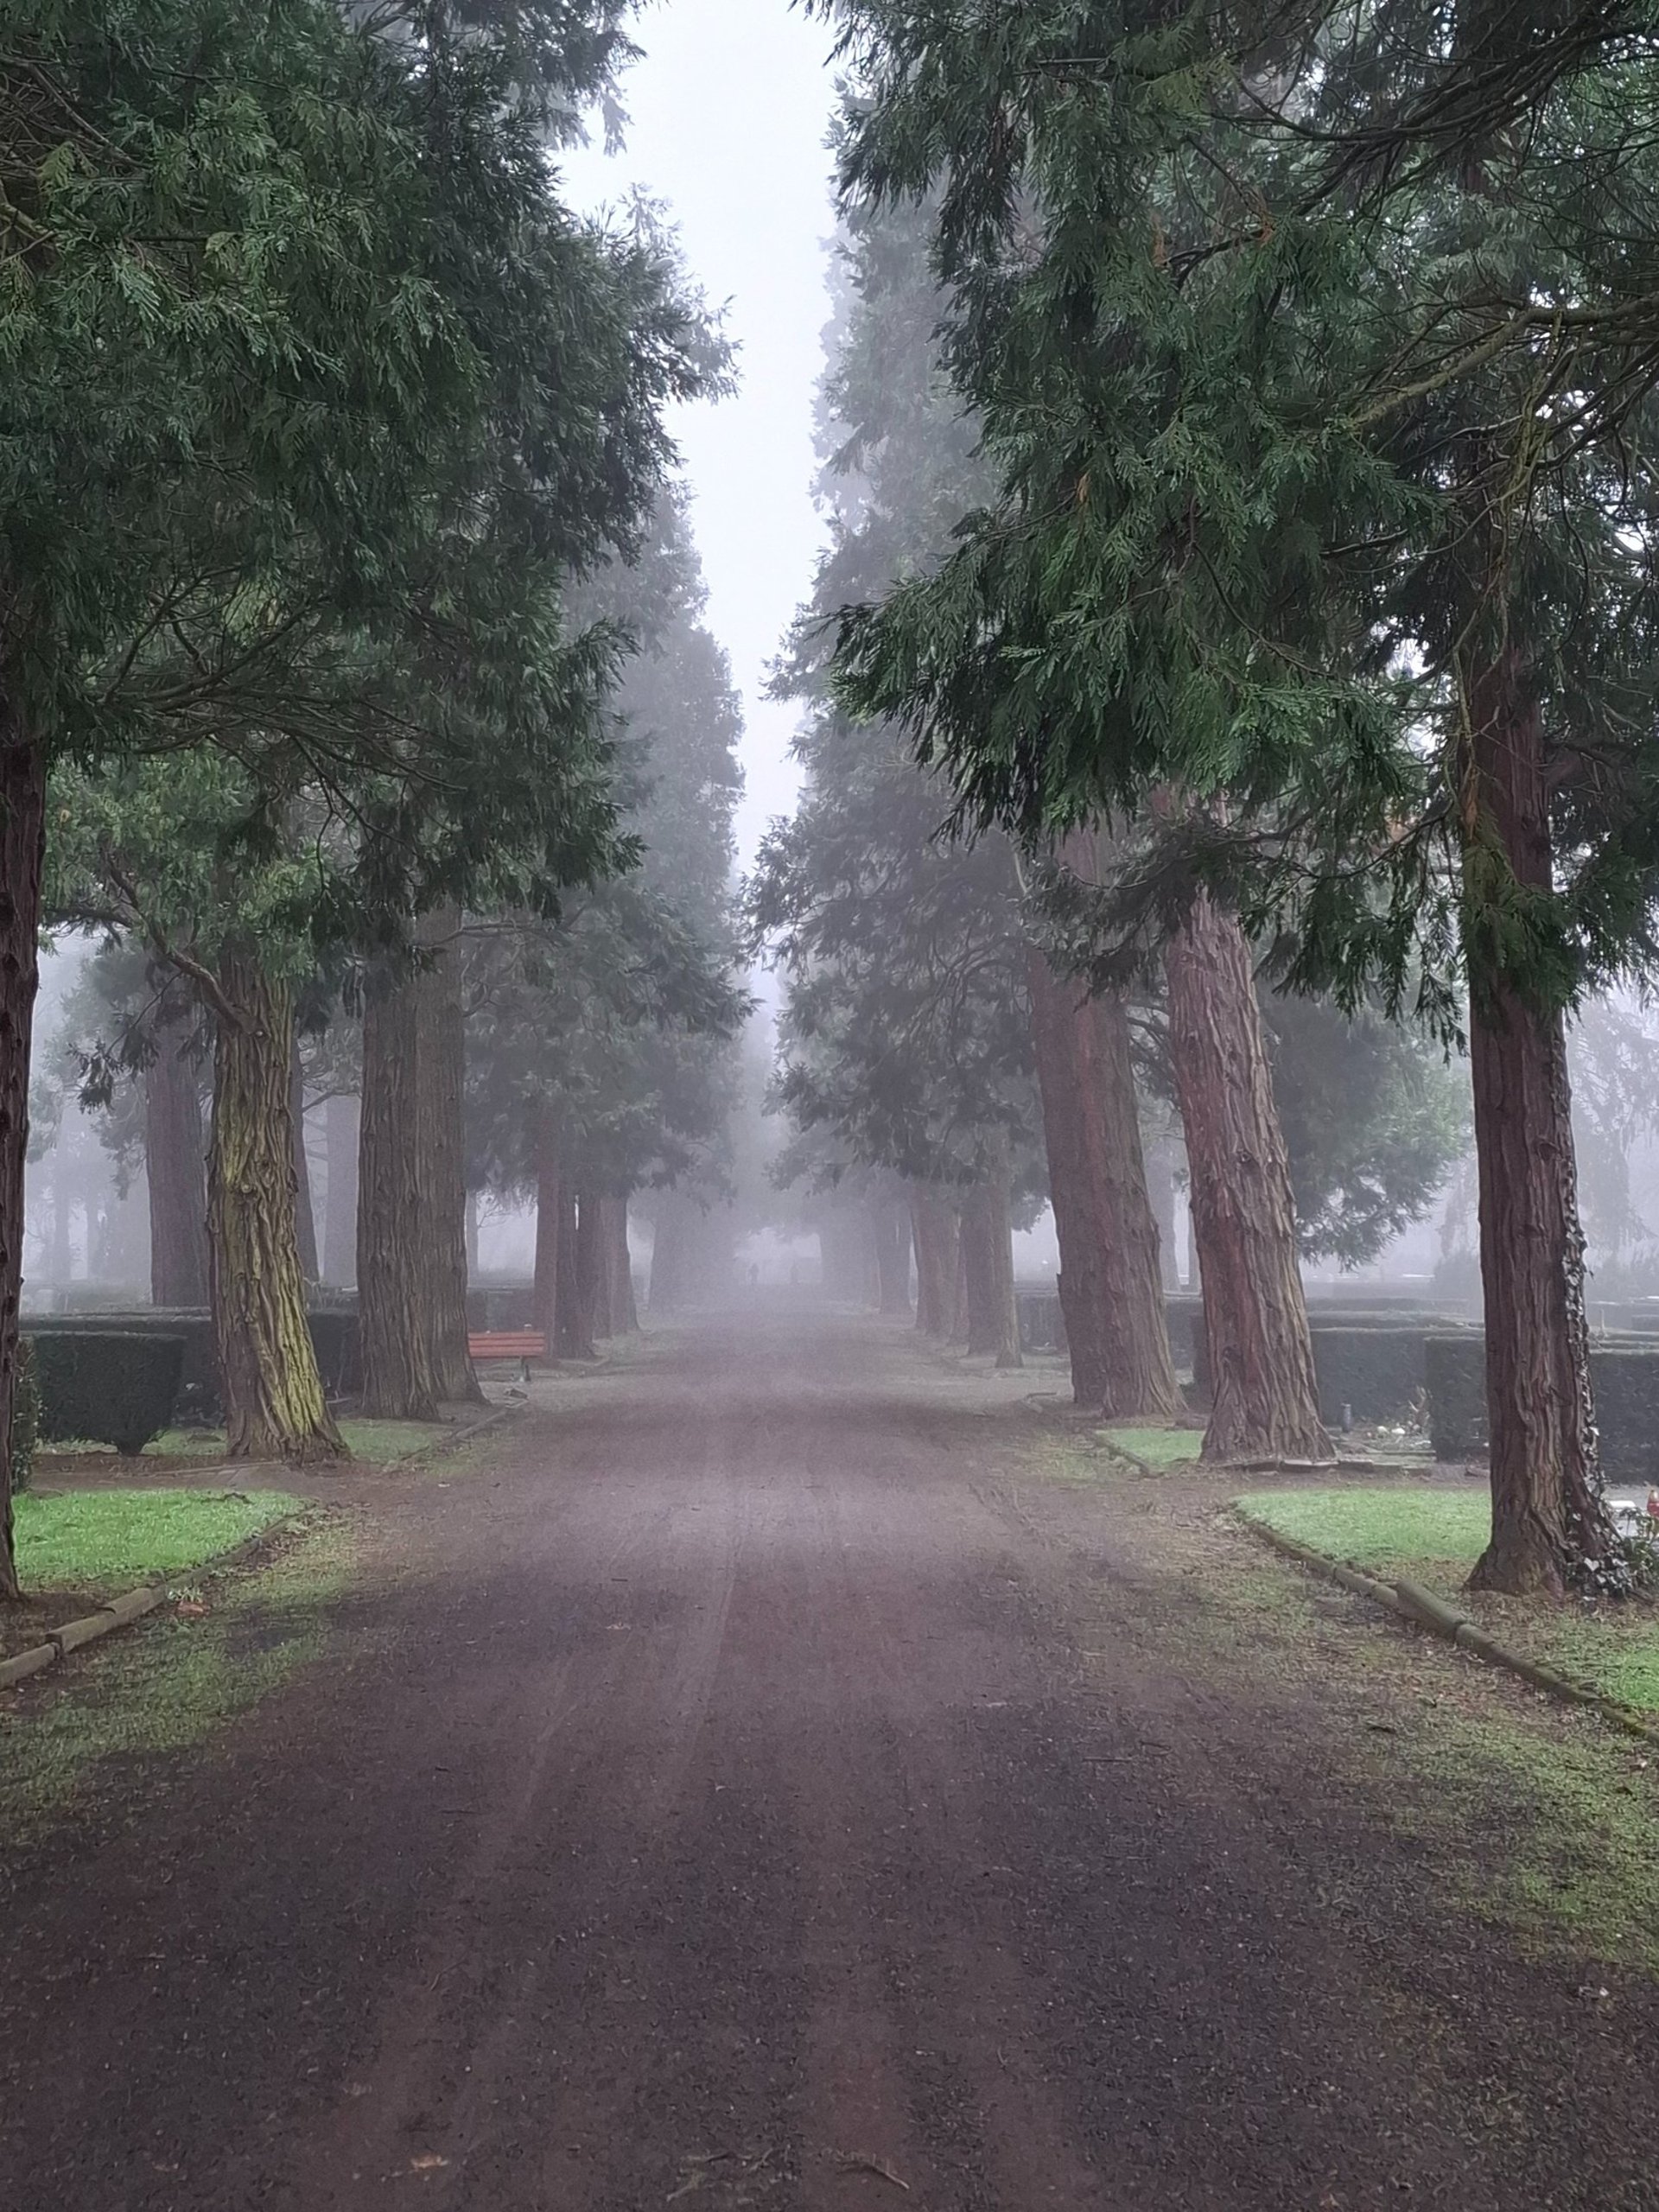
(522, 1344)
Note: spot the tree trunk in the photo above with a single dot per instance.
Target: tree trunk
(339, 1207)
(594, 1262)
(274, 1403)
(933, 1227)
(399, 1380)
(441, 1036)
(1548, 1516)
(23, 852)
(587, 1254)
(987, 1247)
(549, 1203)
(1111, 1294)
(305, 1219)
(175, 1170)
(890, 1230)
(1266, 1399)
(472, 1234)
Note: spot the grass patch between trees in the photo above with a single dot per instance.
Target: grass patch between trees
(105, 1539)
(1399, 1530)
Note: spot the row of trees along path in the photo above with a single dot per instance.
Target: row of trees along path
(324, 405)
(1314, 408)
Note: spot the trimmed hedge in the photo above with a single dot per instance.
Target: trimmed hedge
(1454, 1372)
(110, 1386)
(1624, 1374)
(337, 1340)
(334, 1335)
(1376, 1370)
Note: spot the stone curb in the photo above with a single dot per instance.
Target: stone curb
(73, 1635)
(1413, 1603)
(133, 1605)
(440, 1447)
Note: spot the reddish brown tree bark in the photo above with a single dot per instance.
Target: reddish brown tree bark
(1265, 1399)
(23, 854)
(1111, 1292)
(1548, 1516)
(175, 1168)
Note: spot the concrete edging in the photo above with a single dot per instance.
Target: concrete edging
(1425, 1610)
(133, 1605)
(440, 1447)
(73, 1635)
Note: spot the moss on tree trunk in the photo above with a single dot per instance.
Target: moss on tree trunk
(274, 1402)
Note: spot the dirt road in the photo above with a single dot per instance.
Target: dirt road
(721, 1807)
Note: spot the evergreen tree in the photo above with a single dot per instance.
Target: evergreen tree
(1318, 396)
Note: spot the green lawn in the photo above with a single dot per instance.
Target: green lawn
(1158, 1447)
(1435, 1537)
(1400, 1528)
(125, 1537)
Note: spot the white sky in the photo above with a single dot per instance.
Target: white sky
(729, 110)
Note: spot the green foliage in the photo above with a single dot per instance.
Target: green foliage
(1305, 400)
(110, 1386)
(1373, 1119)
(1398, 1530)
(613, 1019)
(906, 1039)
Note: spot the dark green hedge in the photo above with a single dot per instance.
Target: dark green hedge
(338, 1341)
(1624, 1374)
(334, 1334)
(110, 1386)
(1377, 1370)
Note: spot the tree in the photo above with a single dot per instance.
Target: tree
(602, 1066)
(1313, 393)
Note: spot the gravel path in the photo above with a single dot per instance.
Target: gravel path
(714, 1804)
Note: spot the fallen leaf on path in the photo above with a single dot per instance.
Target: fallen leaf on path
(428, 2162)
(859, 2163)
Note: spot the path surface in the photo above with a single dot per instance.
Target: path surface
(720, 1810)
